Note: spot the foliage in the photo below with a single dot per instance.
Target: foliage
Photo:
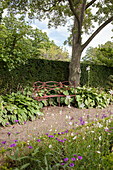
(91, 97)
(84, 97)
(55, 53)
(44, 70)
(110, 82)
(102, 55)
(87, 146)
(20, 42)
(60, 12)
(17, 106)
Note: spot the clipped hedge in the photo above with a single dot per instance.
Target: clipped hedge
(47, 70)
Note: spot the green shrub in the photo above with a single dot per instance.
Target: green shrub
(110, 82)
(17, 106)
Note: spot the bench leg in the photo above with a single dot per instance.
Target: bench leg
(50, 101)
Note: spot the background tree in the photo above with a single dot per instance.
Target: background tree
(19, 42)
(102, 55)
(55, 53)
(60, 11)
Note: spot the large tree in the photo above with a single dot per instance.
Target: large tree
(59, 12)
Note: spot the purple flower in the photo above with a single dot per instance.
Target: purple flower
(3, 142)
(75, 155)
(72, 118)
(7, 123)
(65, 139)
(73, 159)
(17, 132)
(80, 157)
(61, 141)
(54, 133)
(71, 164)
(13, 145)
(62, 132)
(67, 131)
(47, 134)
(50, 136)
(13, 127)
(62, 164)
(38, 140)
(66, 159)
(15, 141)
(9, 133)
(83, 123)
(16, 121)
(30, 147)
(75, 122)
(24, 122)
(58, 133)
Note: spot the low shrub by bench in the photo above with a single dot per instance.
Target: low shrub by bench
(47, 90)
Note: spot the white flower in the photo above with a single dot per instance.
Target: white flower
(50, 130)
(87, 127)
(92, 131)
(66, 117)
(111, 92)
(74, 137)
(50, 146)
(72, 134)
(82, 105)
(70, 123)
(106, 128)
(69, 106)
(69, 117)
(28, 142)
(88, 146)
(98, 152)
(60, 112)
(88, 68)
(100, 138)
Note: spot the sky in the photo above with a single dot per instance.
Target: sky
(60, 34)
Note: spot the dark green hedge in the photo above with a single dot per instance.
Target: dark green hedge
(46, 70)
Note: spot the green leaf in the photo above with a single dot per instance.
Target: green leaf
(24, 166)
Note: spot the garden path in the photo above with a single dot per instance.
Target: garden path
(55, 119)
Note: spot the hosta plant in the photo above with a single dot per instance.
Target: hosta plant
(17, 106)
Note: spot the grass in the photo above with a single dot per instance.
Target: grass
(86, 146)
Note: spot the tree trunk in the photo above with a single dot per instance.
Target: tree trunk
(74, 67)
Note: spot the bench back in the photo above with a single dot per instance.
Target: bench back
(42, 89)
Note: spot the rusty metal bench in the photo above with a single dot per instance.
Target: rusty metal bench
(41, 90)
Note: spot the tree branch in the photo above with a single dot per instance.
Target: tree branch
(73, 10)
(89, 4)
(96, 32)
(76, 16)
(82, 12)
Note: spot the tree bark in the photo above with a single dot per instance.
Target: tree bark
(74, 67)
